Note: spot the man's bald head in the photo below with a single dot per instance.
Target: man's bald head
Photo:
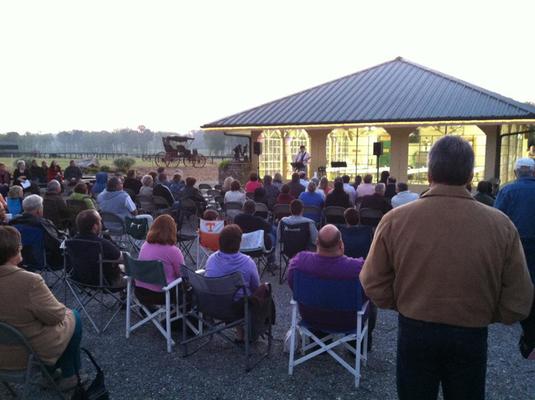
(329, 238)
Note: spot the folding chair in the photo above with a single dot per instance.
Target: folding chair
(328, 295)
(114, 225)
(214, 306)
(280, 211)
(208, 239)
(262, 211)
(188, 211)
(11, 338)
(185, 242)
(334, 215)
(252, 244)
(87, 287)
(136, 230)
(145, 203)
(153, 272)
(369, 216)
(357, 240)
(293, 239)
(314, 213)
(34, 253)
(52, 212)
(232, 208)
(205, 186)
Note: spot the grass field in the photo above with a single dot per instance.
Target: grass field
(64, 162)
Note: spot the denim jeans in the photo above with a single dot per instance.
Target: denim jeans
(430, 354)
(69, 362)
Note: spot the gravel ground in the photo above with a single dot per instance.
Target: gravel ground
(140, 367)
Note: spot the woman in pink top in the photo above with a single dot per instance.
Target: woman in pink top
(160, 245)
(253, 183)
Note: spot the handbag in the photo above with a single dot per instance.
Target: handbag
(97, 389)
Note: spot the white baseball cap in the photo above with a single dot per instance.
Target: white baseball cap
(525, 163)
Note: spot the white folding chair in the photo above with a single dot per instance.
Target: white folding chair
(208, 239)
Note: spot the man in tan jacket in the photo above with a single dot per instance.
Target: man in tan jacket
(450, 266)
(26, 303)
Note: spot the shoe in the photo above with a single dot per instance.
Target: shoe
(527, 350)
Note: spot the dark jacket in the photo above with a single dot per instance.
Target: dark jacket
(192, 193)
(296, 189)
(376, 202)
(250, 223)
(338, 199)
(72, 172)
(111, 271)
(163, 191)
(132, 184)
(55, 209)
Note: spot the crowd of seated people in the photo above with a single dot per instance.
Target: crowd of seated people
(334, 252)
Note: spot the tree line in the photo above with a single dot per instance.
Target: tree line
(129, 141)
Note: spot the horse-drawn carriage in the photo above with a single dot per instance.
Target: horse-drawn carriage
(176, 152)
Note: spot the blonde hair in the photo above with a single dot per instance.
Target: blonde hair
(15, 192)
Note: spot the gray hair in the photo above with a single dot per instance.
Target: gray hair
(53, 186)
(451, 161)
(21, 162)
(380, 188)
(32, 203)
(147, 180)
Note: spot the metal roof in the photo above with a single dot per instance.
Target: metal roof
(395, 91)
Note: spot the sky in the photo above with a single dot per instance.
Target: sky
(176, 65)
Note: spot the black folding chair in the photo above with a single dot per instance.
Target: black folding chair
(280, 211)
(214, 306)
(334, 215)
(370, 216)
(86, 286)
(11, 338)
(185, 241)
(114, 226)
(293, 239)
(357, 240)
(136, 229)
(75, 207)
(205, 186)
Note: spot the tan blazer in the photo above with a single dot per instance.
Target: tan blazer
(27, 304)
(449, 259)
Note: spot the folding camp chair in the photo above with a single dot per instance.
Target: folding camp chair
(232, 208)
(357, 240)
(136, 230)
(153, 272)
(370, 216)
(114, 226)
(11, 338)
(146, 203)
(262, 211)
(252, 244)
(85, 285)
(208, 239)
(293, 239)
(215, 307)
(329, 295)
(185, 242)
(205, 186)
(314, 213)
(34, 253)
(188, 211)
(280, 211)
(334, 215)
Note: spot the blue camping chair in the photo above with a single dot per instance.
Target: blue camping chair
(357, 240)
(34, 253)
(325, 297)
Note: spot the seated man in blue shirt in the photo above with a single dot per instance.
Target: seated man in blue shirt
(312, 198)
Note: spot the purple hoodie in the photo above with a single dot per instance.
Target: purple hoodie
(221, 264)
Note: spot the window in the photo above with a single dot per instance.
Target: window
(270, 161)
(423, 138)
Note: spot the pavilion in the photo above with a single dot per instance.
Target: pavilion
(405, 106)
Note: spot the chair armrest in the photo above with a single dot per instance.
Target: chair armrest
(364, 308)
(200, 271)
(173, 284)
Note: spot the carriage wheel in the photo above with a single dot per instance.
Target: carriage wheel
(159, 159)
(188, 161)
(199, 161)
(176, 163)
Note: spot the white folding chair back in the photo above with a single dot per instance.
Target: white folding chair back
(208, 239)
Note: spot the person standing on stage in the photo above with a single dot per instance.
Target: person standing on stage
(302, 157)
